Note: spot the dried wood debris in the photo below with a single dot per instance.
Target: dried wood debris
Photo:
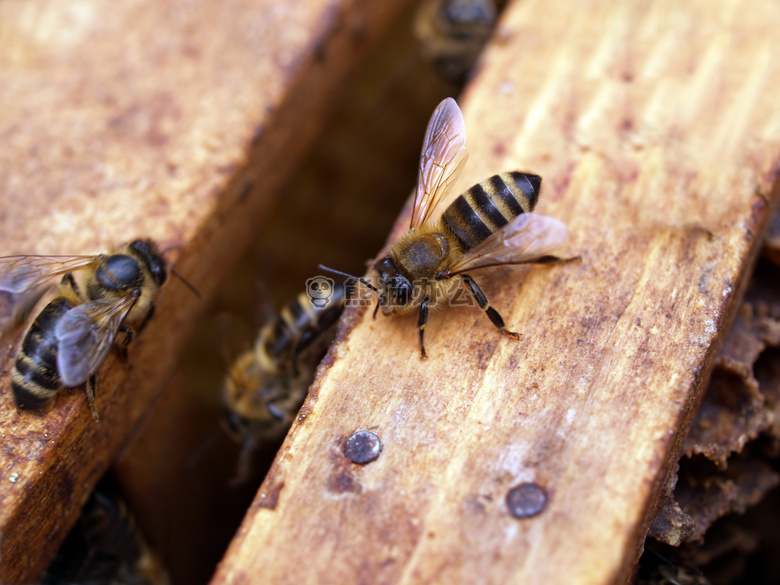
(730, 456)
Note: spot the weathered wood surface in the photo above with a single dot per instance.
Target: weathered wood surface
(337, 209)
(150, 119)
(656, 128)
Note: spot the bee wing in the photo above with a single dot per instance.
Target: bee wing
(443, 156)
(22, 273)
(85, 335)
(527, 237)
(22, 309)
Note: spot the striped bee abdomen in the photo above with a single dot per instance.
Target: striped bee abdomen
(280, 335)
(489, 205)
(323, 319)
(300, 322)
(35, 379)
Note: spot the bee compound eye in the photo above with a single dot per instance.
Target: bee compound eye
(400, 291)
(148, 253)
(159, 274)
(385, 268)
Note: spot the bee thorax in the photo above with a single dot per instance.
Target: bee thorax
(423, 256)
(119, 272)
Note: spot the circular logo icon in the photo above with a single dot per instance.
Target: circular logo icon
(320, 289)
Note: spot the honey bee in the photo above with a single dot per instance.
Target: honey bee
(452, 34)
(105, 546)
(98, 299)
(490, 224)
(267, 384)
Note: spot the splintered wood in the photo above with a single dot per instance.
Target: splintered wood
(657, 130)
(144, 119)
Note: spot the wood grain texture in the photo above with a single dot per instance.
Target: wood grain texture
(656, 128)
(154, 119)
(177, 475)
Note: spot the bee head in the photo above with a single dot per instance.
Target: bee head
(147, 252)
(394, 289)
(248, 397)
(264, 419)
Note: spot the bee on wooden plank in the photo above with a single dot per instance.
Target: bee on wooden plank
(105, 547)
(490, 224)
(267, 384)
(98, 299)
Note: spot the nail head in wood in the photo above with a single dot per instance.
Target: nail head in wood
(526, 500)
(362, 447)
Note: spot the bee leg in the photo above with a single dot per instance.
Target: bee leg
(91, 385)
(148, 317)
(483, 303)
(128, 333)
(422, 319)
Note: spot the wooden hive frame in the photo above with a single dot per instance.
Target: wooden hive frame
(655, 129)
(338, 208)
(145, 119)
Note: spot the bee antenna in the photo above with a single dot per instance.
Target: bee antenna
(187, 283)
(368, 284)
(660, 556)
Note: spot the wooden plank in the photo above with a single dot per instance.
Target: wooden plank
(177, 475)
(145, 119)
(655, 126)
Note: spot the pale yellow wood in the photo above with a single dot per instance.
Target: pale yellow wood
(656, 129)
(175, 121)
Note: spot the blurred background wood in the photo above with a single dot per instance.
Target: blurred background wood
(656, 129)
(153, 119)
